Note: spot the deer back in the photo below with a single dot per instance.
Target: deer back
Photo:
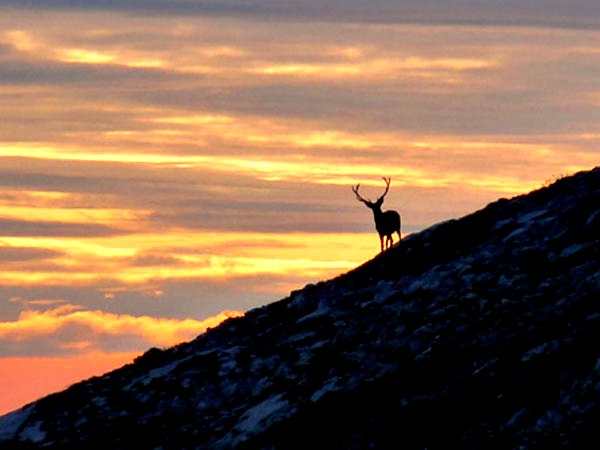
(387, 222)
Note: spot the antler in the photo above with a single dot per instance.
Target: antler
(387, 187)
(358, 196)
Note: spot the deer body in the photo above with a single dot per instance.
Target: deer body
(386, 222)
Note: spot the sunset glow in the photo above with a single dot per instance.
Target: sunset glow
(25, 379)
(166, 166)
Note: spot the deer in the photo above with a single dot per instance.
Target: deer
(386, 222)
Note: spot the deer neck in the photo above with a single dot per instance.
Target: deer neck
(377, 213)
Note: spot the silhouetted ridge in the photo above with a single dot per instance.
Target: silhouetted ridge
(572, 200)
(477, 333)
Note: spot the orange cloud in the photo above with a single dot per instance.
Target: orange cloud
(392, 67)
(36, 46)
(68, 328)
(149, 257)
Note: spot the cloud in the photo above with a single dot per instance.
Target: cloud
(24, 228)
(10, 254)
(177, 7)
(67, 329)
(399, 78)
(70, 74)
(156, 259)
(559, 13)
(98, 184)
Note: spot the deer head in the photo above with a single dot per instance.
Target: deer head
(376, 205)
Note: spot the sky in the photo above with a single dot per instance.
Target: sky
(167, 164)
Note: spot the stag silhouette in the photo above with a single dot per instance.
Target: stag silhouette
(386, 222)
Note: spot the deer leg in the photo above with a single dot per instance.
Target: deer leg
(381, 241)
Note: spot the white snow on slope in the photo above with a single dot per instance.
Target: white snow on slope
(10, 423)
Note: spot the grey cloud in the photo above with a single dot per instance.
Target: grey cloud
(277, 217)
(100, 178)
(22, 228)
(18, 254)
(14, 72)
(60, 343)
(204, 298)
(156, 259)
(382, 107)
(23, 179)
(13, 299)
(250, 205)
(550, 13)
(281, 221)
(147, 6)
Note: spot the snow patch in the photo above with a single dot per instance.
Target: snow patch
(322, 309)
(257, 417)
(573, 250)
(33, 433)
(10, 423)
(428, 281)
(544, 348)
(384, 290)
(517, 235)
(502, 223)
(159, 372)
(528, 218)
(330, 386)
(593, 220)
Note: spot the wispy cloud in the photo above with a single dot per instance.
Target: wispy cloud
(67, 329)
(576, 13)
(13, 227)
(10, 254)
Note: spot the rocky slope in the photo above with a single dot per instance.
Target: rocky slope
(478, 333)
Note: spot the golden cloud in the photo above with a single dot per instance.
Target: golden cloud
(57, 325)
(391, 67)
(169, 254)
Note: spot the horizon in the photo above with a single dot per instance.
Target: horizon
(163, 169)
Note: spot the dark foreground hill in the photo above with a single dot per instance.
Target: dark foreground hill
(478, 333)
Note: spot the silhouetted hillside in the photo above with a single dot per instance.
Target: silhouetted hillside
(477, 333)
